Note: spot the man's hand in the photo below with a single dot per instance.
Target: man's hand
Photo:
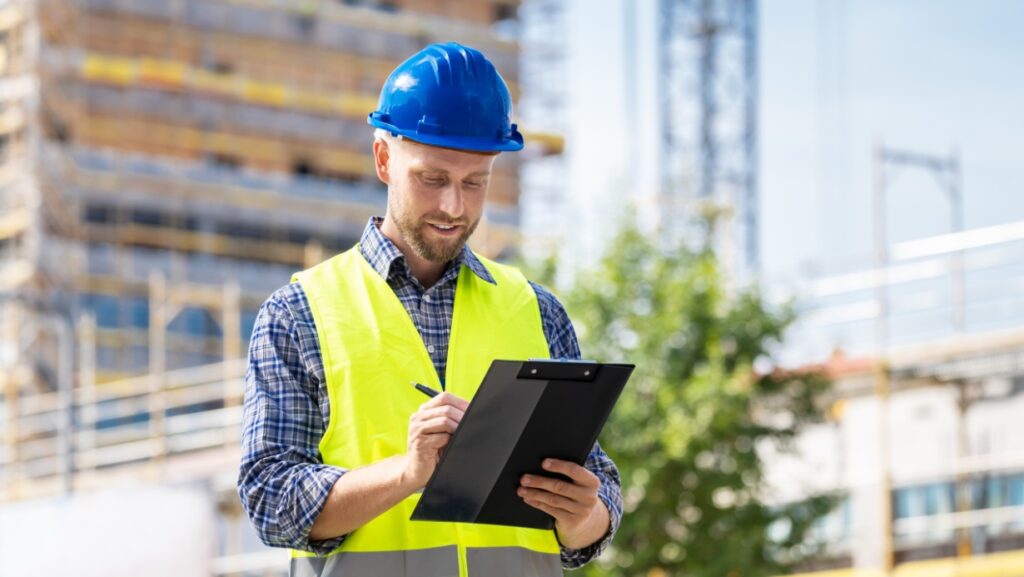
(581, 518)
(430, 429)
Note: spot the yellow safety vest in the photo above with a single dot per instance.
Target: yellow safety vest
(371, 353)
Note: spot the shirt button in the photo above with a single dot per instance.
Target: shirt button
(430, 349)
(426, 298)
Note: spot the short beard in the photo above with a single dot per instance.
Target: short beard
(413, 233)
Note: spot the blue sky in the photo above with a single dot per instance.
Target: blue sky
(928, 76)
(924, 76)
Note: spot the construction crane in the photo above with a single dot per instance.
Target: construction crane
(708, 112)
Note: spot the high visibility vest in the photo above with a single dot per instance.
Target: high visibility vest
(372, 353)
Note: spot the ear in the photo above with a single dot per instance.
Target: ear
(381, 157)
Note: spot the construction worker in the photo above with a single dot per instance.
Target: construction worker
(337, 444)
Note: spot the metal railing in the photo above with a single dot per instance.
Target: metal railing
(843, 311)
(139, 420)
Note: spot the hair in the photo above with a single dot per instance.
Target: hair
(387, 137)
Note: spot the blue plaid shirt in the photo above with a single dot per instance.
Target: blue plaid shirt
(283, 482)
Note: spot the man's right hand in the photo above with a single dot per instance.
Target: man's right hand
(430, 429)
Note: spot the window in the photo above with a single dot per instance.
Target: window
(138, 312)
(302, 167)
(298, 235)
(137, 358)
(196, 322)
(931, 499)
(305, 23)
(104, 307)
(238, 229)
(147, 217)
(100, 214)
(1015, 491)
(210, 60)
(226, 161)
(107, 358)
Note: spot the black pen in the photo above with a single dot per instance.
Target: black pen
(426, 390)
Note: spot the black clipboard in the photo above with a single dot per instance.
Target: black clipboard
(523, 412)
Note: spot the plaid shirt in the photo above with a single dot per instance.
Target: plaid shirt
(283, 482)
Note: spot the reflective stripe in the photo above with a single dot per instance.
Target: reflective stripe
(511, 562)
(438, 562)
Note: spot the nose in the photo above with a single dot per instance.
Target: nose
(451, 201)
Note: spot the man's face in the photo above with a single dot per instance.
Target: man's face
(435, 195)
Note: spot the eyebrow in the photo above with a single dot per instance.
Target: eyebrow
(446, 173)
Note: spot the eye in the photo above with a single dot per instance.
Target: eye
(472, 184)
(433, 181)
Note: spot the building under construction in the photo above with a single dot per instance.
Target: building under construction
(167, 164)
(922, 442)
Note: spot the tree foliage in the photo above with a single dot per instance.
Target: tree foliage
(686, 432)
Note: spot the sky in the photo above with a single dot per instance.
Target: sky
(836, 76)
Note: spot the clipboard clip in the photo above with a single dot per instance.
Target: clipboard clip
(558, 370)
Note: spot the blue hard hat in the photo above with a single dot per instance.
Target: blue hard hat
(448, 95)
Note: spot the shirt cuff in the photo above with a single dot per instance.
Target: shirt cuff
(576, 558)
(323, 482)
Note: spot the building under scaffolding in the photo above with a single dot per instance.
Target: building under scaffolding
(164, 166)
(922, 441)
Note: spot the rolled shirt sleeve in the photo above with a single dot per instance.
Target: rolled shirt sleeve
(283, 483)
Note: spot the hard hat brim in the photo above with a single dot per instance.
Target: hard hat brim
(472, 144)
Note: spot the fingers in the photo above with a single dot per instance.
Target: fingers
(579, 475)
(443, 411)
(430, 430)
(439, 417)
(434, 441)
(556, 486)
(564, 500)
(446, 399)
(568, 498)
(439, 424)
(551, 504)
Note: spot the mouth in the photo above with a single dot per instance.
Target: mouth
(445, 229)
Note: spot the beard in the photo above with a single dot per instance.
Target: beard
(415, 231)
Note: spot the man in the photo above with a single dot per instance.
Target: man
(337, 444)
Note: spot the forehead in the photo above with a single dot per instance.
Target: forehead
(422, 155)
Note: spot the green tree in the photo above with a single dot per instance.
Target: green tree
(686, 430)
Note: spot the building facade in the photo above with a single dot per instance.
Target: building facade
(164, 166)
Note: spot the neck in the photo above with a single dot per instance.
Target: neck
(426, 271)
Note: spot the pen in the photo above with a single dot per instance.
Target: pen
(426, 390)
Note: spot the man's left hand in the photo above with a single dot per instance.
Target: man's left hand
(581, 518)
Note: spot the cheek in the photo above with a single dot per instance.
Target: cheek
(405, 192)
(474, 201)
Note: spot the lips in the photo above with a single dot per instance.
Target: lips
(444, 229)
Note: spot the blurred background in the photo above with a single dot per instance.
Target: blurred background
(802, 219)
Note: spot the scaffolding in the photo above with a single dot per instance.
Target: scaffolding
(164, 166)
(543, 73)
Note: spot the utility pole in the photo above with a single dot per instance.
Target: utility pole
(946, 171)
(882, 368)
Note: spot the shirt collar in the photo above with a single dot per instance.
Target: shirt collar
(382, 254)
